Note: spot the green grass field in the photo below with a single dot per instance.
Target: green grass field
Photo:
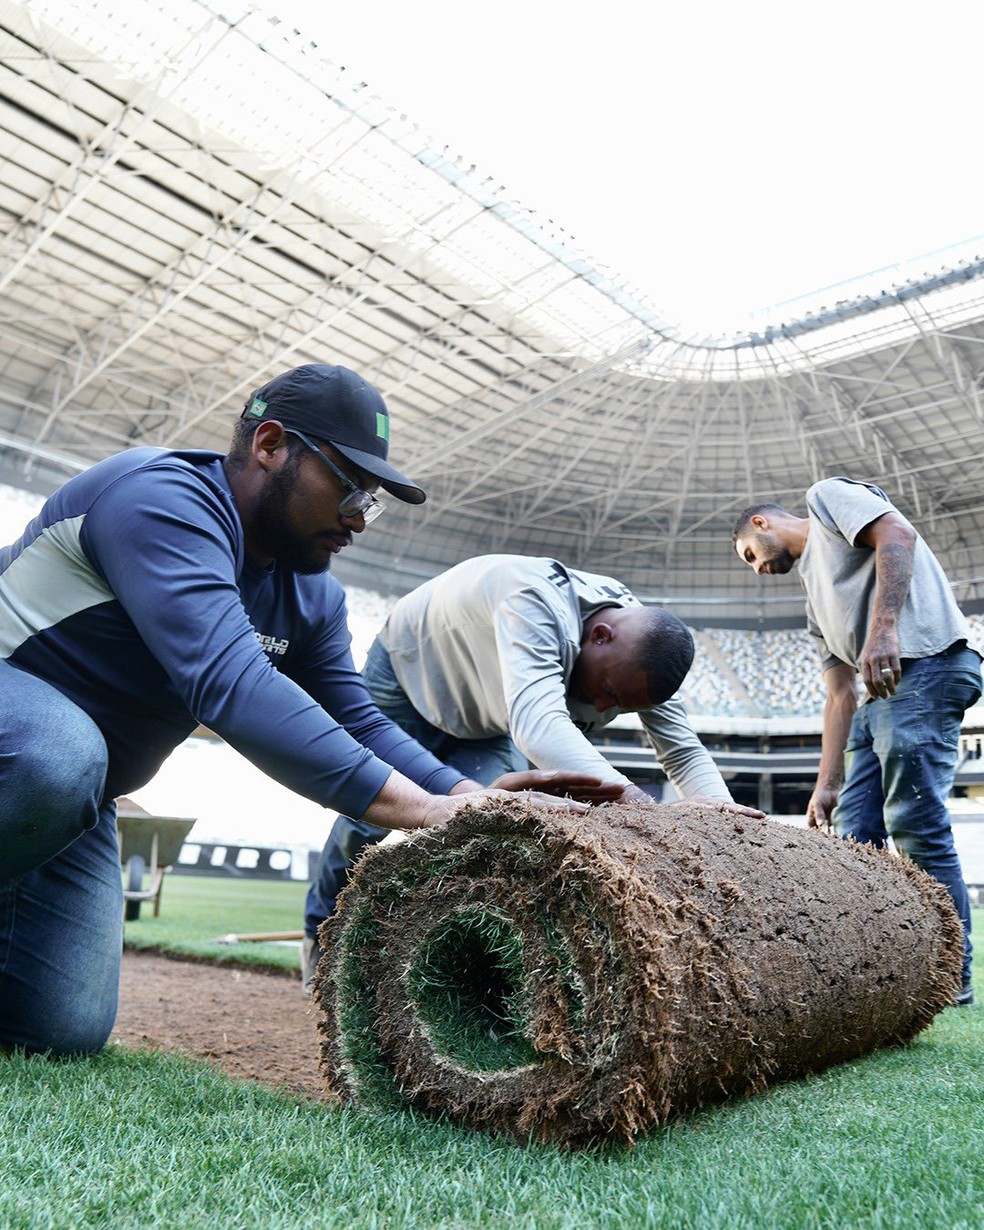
(132, 1140)
(197, 910)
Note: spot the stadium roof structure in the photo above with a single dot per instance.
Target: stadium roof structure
(194, 198)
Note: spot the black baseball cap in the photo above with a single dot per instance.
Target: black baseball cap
(337, 406)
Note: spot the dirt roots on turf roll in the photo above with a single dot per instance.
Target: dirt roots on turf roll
(571, 977)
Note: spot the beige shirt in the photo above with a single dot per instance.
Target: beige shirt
(488, 647)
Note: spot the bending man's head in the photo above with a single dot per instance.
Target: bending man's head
(631, 658)
(769, 538)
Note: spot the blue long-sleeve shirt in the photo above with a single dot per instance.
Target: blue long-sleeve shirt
(132, 594)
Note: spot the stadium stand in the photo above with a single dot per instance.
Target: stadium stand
(773, 674)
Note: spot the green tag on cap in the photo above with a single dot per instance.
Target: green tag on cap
(382, 426)
(257, 407)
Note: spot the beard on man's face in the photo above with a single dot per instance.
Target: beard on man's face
(776, 558)
(781, 562)
(291, 550)
(298, 556)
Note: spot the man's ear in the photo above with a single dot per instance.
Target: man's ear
(760, 522)
(601, 633)
(269, 444)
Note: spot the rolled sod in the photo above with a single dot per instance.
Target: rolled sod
(566, 977)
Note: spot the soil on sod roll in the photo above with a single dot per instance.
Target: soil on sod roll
(573, 977)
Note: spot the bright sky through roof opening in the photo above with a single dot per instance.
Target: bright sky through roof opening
(722, 158)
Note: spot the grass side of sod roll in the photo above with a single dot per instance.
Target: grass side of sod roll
(895, 1139)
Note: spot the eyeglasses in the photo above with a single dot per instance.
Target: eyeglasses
(356, 503)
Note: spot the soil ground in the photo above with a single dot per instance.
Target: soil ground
(251, 1024)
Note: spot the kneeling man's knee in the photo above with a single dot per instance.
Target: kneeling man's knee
(50, 793)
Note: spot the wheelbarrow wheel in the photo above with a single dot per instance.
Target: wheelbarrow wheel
(134, 884)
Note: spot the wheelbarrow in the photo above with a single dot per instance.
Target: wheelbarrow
(148, 844)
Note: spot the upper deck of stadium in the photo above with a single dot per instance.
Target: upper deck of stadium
(169, 239)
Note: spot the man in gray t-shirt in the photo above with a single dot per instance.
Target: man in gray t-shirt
(879, 605)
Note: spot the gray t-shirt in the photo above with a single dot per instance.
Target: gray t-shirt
(488, 647)
(839, 577)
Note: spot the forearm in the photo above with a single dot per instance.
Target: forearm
(697, 776)
(402, 805)
(687, 762)
(893, 541)
(893, 572)
(838, 713)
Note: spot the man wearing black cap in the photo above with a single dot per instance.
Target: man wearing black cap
(163, 589)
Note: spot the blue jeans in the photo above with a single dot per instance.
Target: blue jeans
(900, 760)
(61, 893)
(483, 760)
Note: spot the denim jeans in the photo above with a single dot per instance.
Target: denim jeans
(61, 894)
(483, 760)
(900, 760)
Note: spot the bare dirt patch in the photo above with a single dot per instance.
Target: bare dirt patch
(251, 1024)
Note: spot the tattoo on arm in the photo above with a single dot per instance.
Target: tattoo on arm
(893, 562)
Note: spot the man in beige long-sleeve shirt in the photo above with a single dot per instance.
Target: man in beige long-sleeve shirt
(506, 660)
